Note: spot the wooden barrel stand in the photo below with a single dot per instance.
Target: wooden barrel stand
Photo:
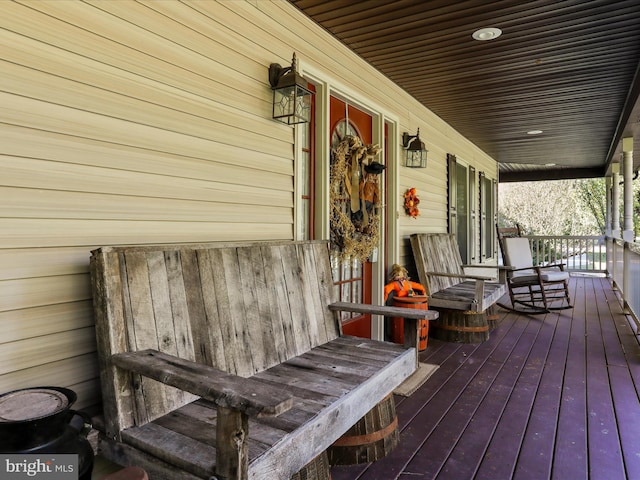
(418, 302)
(317, 469)
(461, 326)
(492, 317)
(372, 438)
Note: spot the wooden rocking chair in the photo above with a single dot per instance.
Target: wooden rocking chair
(532, 289)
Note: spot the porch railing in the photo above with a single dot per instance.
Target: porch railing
(579, 253)
(623, 265)
(619, 259)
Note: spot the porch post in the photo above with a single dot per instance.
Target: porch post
(607, 218)
(627, 149)
(615, 201)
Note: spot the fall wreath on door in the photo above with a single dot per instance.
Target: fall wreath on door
(354, 195)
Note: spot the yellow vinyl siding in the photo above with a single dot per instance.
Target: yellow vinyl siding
(120, 126)
(43, 320)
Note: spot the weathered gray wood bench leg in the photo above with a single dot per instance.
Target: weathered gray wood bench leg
(232, 435)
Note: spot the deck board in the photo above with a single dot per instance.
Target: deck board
(547, 396)
(539, 440)
(605, 452)
(571, 442)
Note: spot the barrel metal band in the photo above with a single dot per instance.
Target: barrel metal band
(352, 441)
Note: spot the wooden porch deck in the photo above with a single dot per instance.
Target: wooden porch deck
(548, 396)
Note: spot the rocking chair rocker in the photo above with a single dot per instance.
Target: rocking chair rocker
(532, 289)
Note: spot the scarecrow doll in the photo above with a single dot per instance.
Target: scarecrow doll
(399, 285)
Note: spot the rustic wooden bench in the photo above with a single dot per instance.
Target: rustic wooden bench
(227, 361)
(461, 299)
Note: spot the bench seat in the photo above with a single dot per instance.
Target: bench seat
(339, 375)
(462, 296)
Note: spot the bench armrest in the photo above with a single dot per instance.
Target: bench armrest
(552, 265)
(459, 275)
(224, 389)
(411, 316)
(384, 310)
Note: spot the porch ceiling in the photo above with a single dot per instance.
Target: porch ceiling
(569, 68)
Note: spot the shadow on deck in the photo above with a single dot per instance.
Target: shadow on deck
(547, 396)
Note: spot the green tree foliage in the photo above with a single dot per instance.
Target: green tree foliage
(560, 207)
(544, 208)
(592, 195)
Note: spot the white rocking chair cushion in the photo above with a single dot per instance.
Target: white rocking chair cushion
(517, 252)
(528, 277)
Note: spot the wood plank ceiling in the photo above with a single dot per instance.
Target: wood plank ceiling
(568, 68)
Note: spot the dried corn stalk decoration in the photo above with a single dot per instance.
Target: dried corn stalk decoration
(354, 194)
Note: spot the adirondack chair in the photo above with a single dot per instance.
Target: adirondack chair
(532, 288)
(461, 299)
(229, 360)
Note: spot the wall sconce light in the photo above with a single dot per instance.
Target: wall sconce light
(416, 151)
(291, 98)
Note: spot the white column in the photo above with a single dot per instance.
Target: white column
(627, 149)
(615, 201)
(607, 218)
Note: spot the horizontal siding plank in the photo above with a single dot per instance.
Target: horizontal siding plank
(80, 374)
(80, 369)
(22, 203)
(29, 232)
(238, 46)
(42, 262)
(194, 161)
(35, 292)
(88, 394)
(44, 320)
(132, 32)
(28, 173)
(198, 117)
(47, 116)
(45, 349)
(93, 33)
(186, 34)
(181, 89)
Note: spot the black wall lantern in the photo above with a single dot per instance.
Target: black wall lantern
(291, 98)
(416, 151)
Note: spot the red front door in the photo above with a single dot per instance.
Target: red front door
(353, 278)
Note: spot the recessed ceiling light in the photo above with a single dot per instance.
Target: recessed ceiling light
(487, 34)
(534, 132)
(549, 164)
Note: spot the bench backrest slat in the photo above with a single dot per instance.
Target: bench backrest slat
(241, 309)
(436, 252)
